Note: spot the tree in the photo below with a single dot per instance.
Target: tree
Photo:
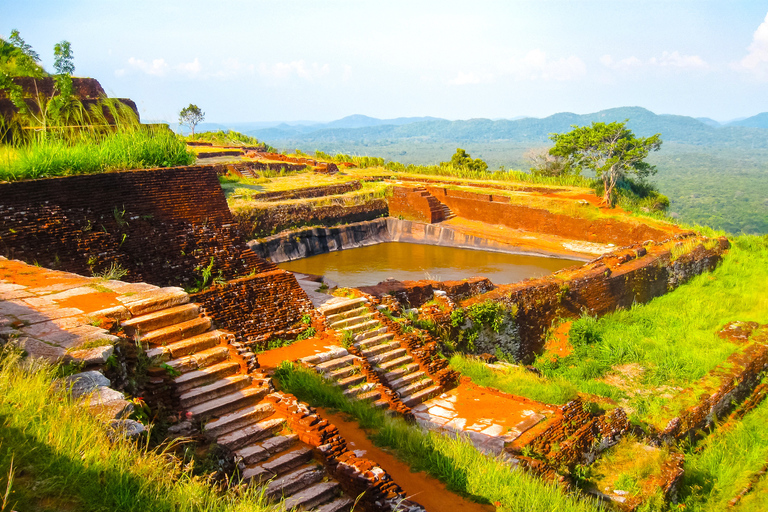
(462, 159)
(63, 58)
(610, 150)
(190, 116)
(544, 164)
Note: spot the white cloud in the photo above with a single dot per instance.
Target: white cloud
(621, 65)
(756, 60)
(191, 68)
(157, 67)
(678, 60)
(536, 65)
(298, 68)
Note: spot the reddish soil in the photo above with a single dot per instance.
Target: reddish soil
(36, 277)
(558, 345)
(271, 359)
(420, 487)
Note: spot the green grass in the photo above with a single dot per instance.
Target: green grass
(452, 460)
(125, 149)
(723, 464)
(515, 381)
(59, 457)
(674, 337)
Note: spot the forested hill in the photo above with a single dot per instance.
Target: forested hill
(679, 129)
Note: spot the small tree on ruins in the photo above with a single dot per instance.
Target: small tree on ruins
(611, 150)
(191, 116)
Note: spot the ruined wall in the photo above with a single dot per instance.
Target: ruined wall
(306, 193)
(616, 280)
(410, 204)
(416, 293)
(255, 306)
(495, 209)
(266, 220)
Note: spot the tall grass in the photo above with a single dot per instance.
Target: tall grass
(516, 381)
(63, 458)
(672, 338)
(454, 461)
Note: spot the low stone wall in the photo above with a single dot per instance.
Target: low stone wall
(416, 293)
(410, 204)
(309, 192)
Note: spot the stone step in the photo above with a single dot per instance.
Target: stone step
(343, 504)
(420, 396)
(351, 381)
(311, 497)
(388, 356)
(228, 403)
(374, 340)
(147, 302)
(288, 461)
(355, 392)
(370, 334)
(370, 396)
(380, 348)
(381, 403)
(259, 452)
(346, 314)
(215, 390)
(159, 319)
(406, 379)
(340, 307)
(239, 419)
(398, 373)
(205, 376)
(251, 434)
(277, 444)
(199, 360)
(176, 332)
(325, 356)
(256, 475)
(188, 346)
(335, 364)
(252, 454)
(293, 482)
(394, 363)
(410, 389)
(344, 372)
(362, 327)
(353, 321)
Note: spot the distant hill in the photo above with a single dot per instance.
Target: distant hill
(758, 121)
(363, 129)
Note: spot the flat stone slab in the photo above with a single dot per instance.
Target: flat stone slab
(85, 382)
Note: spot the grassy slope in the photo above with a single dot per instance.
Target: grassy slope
(673, 337)
(454, 461)
(61, 458)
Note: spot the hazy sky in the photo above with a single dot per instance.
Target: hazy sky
(265, 60)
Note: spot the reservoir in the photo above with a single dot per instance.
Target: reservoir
(366, 266)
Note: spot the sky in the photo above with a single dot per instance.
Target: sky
(320, 60)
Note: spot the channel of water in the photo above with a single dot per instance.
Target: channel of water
(366, 266)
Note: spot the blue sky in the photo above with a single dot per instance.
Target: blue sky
(264, 60)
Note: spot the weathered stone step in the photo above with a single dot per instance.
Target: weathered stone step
(387, 356)
(410, 389)
(313, 496)
(251, 434)
(397, 373)
(344, 372)
(369, 396)
(177, 332)
(370, 334)
(380, 348)
(259, 452)
(277, 444)
(343, 504)
(215, 390)
(147, 302)
(229, 403)
(394, 363)
(351, 381)
(288, 461)
(406, 379)
(205, 376)
(252, 454)
(159, 319)
(199, 360)
(362, 327)
(351, 322)
(239, 419)
(355, 392)
(381, 403)
(420, 396)
(293, 482)
(335, 364)
(325, 356)
(341, 306)
(188, 346)
(374, 340)
(346, 314)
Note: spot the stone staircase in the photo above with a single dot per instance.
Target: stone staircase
(388, 358)
(235, 408)
(439, 211)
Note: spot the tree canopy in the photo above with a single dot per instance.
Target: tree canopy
(462, 159)
(611, 150)
(191, 116)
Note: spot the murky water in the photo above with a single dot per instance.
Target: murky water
(370, 265)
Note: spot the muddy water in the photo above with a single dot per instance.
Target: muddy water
(420, 487)
(370, 265)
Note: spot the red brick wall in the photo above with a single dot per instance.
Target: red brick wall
(410, 205)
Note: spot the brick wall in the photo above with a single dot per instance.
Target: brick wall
(409, 204)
